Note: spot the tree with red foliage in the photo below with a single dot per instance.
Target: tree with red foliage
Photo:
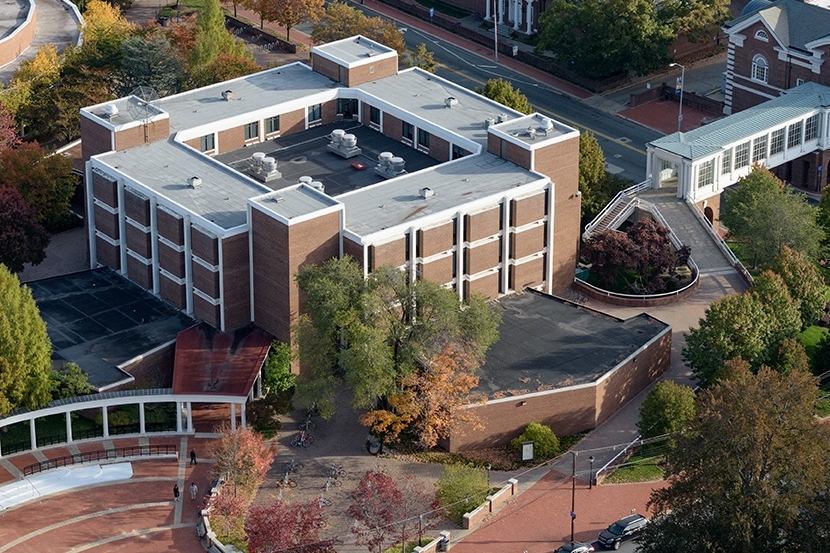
(8, 130)
(22, 238)
(387, 508)
(653, 252)
(607, 252)
(287, 527)
(242, 458)
(229, 506)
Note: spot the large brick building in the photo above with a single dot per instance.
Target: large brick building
(775, 46)
(496, 209)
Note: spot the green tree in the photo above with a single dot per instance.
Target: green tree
(733, 327)
(149, 61)
(45, 181)
(822, 218)
(591, 175)
(340, 20)
(277, 370)
(212, 39)
(420, 57)
(386, 325)
(783, 311)
(461, 489)
(631, 35)
(224, 68)
(69, 381)
(805, 284)
(667, 409)
(546, 444)
(502, 91)
(742, 473)
(790, 356)
(765, 216)
(695, 19)
(25, 348)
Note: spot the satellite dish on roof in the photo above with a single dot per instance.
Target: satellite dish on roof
(140, 109)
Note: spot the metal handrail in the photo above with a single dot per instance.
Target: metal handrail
(721, 243)
(104, 454)
(631, 190)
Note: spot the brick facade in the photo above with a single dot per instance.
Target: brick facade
(105, 189)
(482, 257)
(439, 270)
(483, 224)
(173, 292)
(389, 253)
(436, 239)
(170, 227)
(139, 272)
(204, 246)
(236, 276)
(487, 285)
(139, 241)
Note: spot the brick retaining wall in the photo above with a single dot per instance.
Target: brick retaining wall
(14, 44)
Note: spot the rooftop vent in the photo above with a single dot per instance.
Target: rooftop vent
(547, 124)
(489, 122)
(502, 117)
(390, 166)
(426, 192)
(110, 111)
(451, 101)
(195, 182)
(229, 95)
(343, 144)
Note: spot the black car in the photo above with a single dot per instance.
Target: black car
(575, 547)
(624, 529)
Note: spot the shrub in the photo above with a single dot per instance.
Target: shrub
(461, 489)
(546, 444)
(666, 410)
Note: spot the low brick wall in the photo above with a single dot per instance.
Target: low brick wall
(441, 543)
(233, 24)
(645, 301)
(474, 517)
(14, 44)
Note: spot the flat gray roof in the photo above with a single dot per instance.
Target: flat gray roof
(547, 343)
(294, 201)
(534, 128)
(165, 167)
(424, 95)
(204, 106)
(353, 50)
(398, 201)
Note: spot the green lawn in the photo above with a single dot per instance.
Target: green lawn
(810, 337)
(410, 546)
(642, 466)
(823, 406)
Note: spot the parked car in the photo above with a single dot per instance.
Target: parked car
(575, 547)
(624, 529)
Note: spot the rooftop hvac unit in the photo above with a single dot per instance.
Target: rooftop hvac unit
(194, 182)
(451, 102)
(256, 159)
(489, 122)
(390, 166)
(342, 144)
(317, 185)
(228, 95)
(426, 192)
(304, 180)
(263, 168)
(502, 117)
(547, 124)
(110, 111)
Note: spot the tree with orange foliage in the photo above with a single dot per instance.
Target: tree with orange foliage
(288, 13)
(242, 458)
(430, 402)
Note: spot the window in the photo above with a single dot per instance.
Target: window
(812, 126)
(726, 164)
(315, 113)
(374, 115)
(759, 148)
(742, 155)
(207, 143)
(252, 130)
(777, 144)
(346, 107)
(458, 152)
(272, 124)
(407, 131)
(760, 68)
(794, 134)
(762, 35)
(706, 174)
(799, 82)
(423, 139)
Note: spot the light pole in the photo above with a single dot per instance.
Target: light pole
(591, 475)
(573, 494)
(488, 466)
(682, 86)
(495, 32)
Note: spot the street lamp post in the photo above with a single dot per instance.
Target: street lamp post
(488, 466)
(573, 494)
(591, 475)
(682, 86)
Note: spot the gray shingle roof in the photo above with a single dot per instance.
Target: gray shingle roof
(792, 104)
(795, 23)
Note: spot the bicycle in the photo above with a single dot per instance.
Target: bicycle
(307, 424)
(302, 438)
(286, 482)
(323, 502)
(333, 482)
(293, 466)
(335, 471)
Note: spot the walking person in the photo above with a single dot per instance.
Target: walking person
(192, 457)
(176, 493)
(193, 491)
